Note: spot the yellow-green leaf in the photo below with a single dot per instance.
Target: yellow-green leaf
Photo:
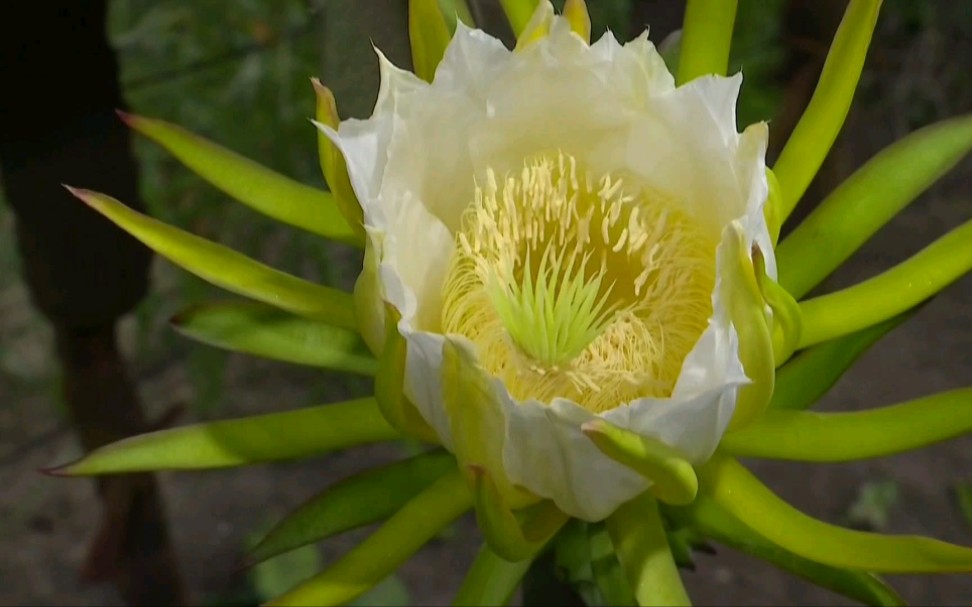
(639, 539)
(383, 551)
(817, 129)
(806, 378)
(429, 36)
(251, 183)
(744, 496)
(714, 522)
(225, 267)
(263, 330)
(891, 292)
(239, 442)
(841, 437)
(867, 200)
(706, 37)
(359, 500)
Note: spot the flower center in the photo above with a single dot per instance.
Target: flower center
(576, 287)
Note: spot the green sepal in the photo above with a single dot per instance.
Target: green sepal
(251, 183)
(710, 520)
(741, 494)
(787, 321)
(262, 330)
(575, 11)
(537, 28)
(389, 382)
(429, 36)
(356, 501)
(225, 267)
(706, 37)
(491, 580)
(239, 442)
(814, 371)
(333, 165)
(518, 13)
(841, 437)
(372, 560)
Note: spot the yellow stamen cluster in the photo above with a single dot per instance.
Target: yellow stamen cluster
(574, 286)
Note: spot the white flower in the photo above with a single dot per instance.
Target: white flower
(553, 226)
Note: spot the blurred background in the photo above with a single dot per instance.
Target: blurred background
(238, 72)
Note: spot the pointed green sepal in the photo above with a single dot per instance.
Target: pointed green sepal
(491, 580)
(772, 211)
(251, 183)
(429, 36)
(813, 372)
(512, 537)
(239, 442)
(711, 520)
(518, 13)
(225, 267)
(365, 498)
(575, 11)
(263, 330)
(746, 307)
(787, 321)
(538, 27)
(706, 37)
(867, 200)
(817, 129)
(741, 494)
(399, 412)
(890, 293)
(333, 165)
(386, 549)
(639, 539)
(673, 477)
(841, 437)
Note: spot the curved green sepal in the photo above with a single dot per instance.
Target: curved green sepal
(518, 13)
(477, 421)
(428, 35)
(867, 200)
(609, 577)
(712, 521)
(359, 500)
(787, 321)
(491, 580)
(575, 11)
(263, 330)
(239, 442)
(772, 211)
(333, 165)
(673, 477)
(741, 494)
(538, 27)
(639, 539)
(512, 537)
(841, 437)
(386, 549)
(225, 267)
(746, 307)
(814, 371)
(891, 292)
(248, 182)
(817, 129)
(399, 412)
(706, 37)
